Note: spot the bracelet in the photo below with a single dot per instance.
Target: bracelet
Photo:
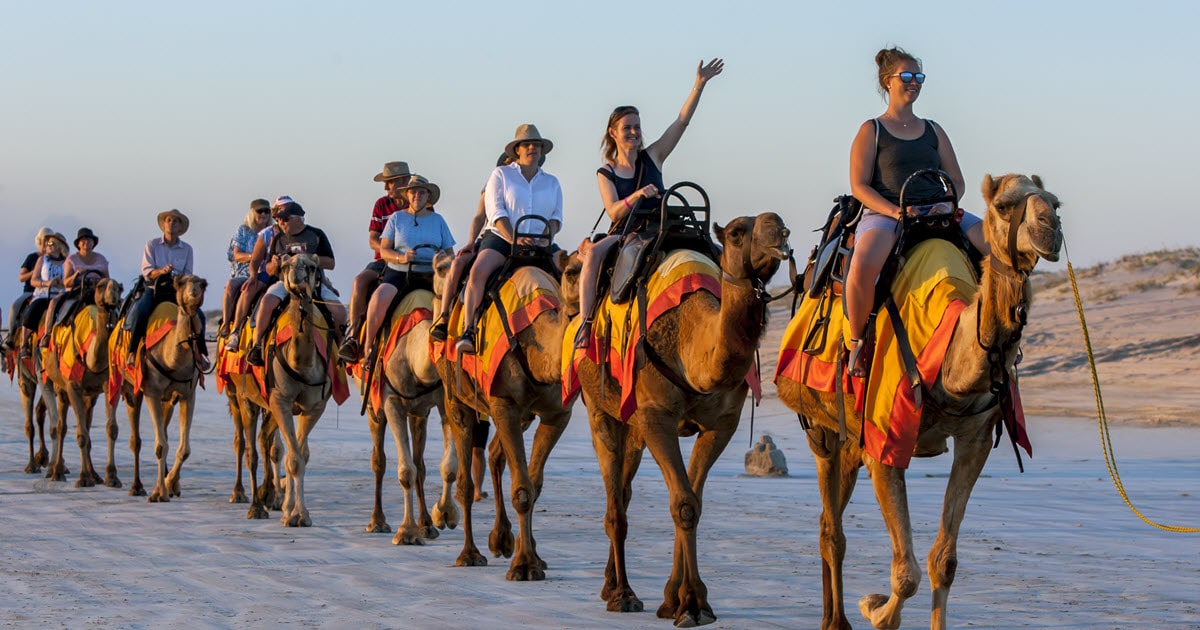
(626, 202)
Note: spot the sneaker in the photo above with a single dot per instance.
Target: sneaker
(255, 357)
(350, 352)
(439, 332)
(466, 343)
(235, 342)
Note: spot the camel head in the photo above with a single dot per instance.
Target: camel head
(1039, 231)
(569, 282)
(753, 247)
(299, 274)
(441, 272)
(108, 293)
(189, 292)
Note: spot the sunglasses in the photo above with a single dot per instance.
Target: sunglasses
(262, 211)
(908, 77)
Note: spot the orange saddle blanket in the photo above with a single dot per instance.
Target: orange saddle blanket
(528, 293)
(414, 308)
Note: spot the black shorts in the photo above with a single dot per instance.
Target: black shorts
(378, 266)
(495, 243)
(405, 282)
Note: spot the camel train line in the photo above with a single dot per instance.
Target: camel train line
(672, 359)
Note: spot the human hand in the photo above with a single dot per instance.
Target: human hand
(649, 191)
(704, 71)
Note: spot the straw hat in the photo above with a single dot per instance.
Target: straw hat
(86, 232)
(162, 217)
(393, 170)
(41, 236)
(417, 181)
(525, 133)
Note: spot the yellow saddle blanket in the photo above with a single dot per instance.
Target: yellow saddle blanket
(160, 324)
(526, 294)
(70, 342)
(930, 292)
(616, 328)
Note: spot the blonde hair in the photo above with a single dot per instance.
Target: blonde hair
(41, 236)
(887, 59)
(60, 244)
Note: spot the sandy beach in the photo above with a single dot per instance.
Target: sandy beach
(1053, 547)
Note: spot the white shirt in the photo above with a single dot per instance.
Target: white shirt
(509, 196)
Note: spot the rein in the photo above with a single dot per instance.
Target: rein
(192, 340)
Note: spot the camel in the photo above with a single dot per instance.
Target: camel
(1022, 216)
(409, 387)
(527, 382)
(704, 348)
(32, 403)
(299, 377)
(81, 387)
(169, 374)
(247, 406)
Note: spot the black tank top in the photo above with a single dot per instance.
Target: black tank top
(628, 185)
(896, 159)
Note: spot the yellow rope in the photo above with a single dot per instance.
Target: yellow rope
(1105, 436)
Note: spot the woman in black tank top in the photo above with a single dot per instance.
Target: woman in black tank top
(631, 178)
(885, 152)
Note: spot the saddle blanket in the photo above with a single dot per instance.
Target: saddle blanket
(413, 309)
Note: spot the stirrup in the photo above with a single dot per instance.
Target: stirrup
(350, 351)
(583, 337)
(234, 342)
(856, 366)
(440, 330)
(466, 342)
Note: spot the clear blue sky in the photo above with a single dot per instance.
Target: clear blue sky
(113, 112)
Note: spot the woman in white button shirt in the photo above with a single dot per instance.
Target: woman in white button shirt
(513, 191)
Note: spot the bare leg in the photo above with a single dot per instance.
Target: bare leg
(358, 296)
(486, 263)
(458, 267)
(376, 311)
(229, 301)
(262, 319)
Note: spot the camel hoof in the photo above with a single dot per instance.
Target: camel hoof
(870, 606)
(626, 602)
(238, 497)
(43, 458)
(408, 537)
(525, 573)
(470, 558)
(96, 478)
(691, 620)
(137, 490)
(443, 518)
(296, 520)
(33, 469)
(112, 481)
(257, 512)
(158, 497)
(500, 543)
(429, 532)
(86, 481)
(378, 527)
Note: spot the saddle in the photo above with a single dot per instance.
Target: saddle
(649, 234)
(538, 252)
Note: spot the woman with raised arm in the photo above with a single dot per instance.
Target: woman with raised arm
(631, 179)
(885, 152)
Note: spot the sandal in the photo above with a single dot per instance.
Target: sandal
(859, 360)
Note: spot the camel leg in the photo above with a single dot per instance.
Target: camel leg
(239, 446)
(378, 523)
(462, 422)
(837, 473)
(407, 533)
(418, 429)
(40, 409)
(83, 438)
(501, 541)
(112, 432)
(525, 564)
(883, 611)
(28, 400)
(970, 454)
(274, 479)
(445, 513)
(619, 455)
(58, 409)
(158, 414)
(187, 407)
(549, 430)
(306, 422)
(250, 414)
(133, 409)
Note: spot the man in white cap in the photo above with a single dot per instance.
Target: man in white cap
(164, 258)
(293, 237)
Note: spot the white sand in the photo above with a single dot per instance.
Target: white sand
(1054, 547)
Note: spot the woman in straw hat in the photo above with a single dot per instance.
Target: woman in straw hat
(513, 191)
(25, 277)
(631, 179)
(47, 282)
(407, 268)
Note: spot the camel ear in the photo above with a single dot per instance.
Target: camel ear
(177, 281)
(560, 259)
(1037, 181)
(988, 188)
(731, 234)
(719, 232)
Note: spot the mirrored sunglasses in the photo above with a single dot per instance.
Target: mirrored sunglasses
(908, 77)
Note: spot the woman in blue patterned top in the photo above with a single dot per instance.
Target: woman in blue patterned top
(240, 248)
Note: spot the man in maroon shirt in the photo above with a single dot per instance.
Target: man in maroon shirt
(395, 176)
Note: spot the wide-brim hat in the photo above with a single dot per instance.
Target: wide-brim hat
(162, 216)
(526, 133)
(393, 170)
(418, 181)
(86, 232)
(260, 203)
(56, 236)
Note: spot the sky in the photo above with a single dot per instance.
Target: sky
(113, 112)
